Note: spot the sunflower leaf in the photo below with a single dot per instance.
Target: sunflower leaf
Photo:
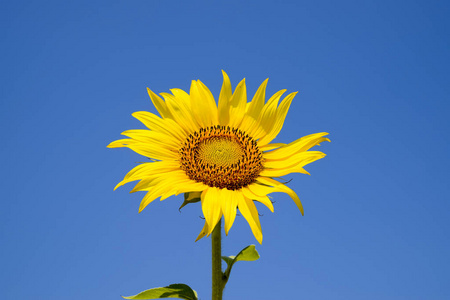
(177, 290)
(249, 253)
(191, 197)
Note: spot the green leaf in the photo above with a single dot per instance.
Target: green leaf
(177, 290)
(249, 253)
(190, 197)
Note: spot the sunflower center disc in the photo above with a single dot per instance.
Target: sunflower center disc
(220, 151)
(221, 157)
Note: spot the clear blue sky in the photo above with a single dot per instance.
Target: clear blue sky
(375, 74)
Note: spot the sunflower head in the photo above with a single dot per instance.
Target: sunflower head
(220, 153)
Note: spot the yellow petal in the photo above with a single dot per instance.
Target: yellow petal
(211, 207)
(145, 149)
(181, 186)
(153, 152)
(279, 119)
(300, 145)
(129, 177)
(229, 200)
(262, 199)
(259, 189)
(166, 126)
(146, 184)
(280, 187)
(159, 104)
(269, 147)
(147, 170)
(209, 101)
(182, 96)
(283, 172)
(155, 189)
(163, 186)
(250, 213)
(256, 105)
(292, 164)
(266, 118)
(299, 159)
(181, 113)
(224, 100)
(166, 181)
(253, 109)
(148, 198)
(238, 103)
(203, 105)
(153, 137)
(204, 231)
(262, 191)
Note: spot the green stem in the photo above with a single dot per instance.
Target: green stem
(217, 276)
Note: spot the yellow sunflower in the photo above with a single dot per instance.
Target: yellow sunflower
(219, 153)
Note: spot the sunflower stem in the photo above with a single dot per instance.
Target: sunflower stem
(217, 275)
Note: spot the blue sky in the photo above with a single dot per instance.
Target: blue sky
(372, 73)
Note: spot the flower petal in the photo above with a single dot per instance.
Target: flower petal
(297, 160)
(182, 186)
(210, 102)
(157, 188)
(150, 183)
(224, 100)
(155, 123)
(159, 104)
(203, 105)
(280, 187)
(281, 113)
(254, 108)
(204, 231)
(229, 200)
(145, 149)
(153, 137)
(250, 213)
(181, 113)
(147, 170)
(260, 198)
(269, 147)
(300, 145)
(211, 207)
(182, 96)
(148, 198)
(266, 118)
(164, 186)
(238, 103)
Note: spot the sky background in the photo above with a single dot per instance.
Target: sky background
(375, 74)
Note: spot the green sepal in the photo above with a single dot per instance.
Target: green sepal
(176, 290)
(249, 253)
(191, 197)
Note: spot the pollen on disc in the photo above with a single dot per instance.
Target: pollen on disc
(220, 151)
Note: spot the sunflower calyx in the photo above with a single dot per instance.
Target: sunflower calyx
(191, 197)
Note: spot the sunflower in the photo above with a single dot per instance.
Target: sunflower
(221, 154)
